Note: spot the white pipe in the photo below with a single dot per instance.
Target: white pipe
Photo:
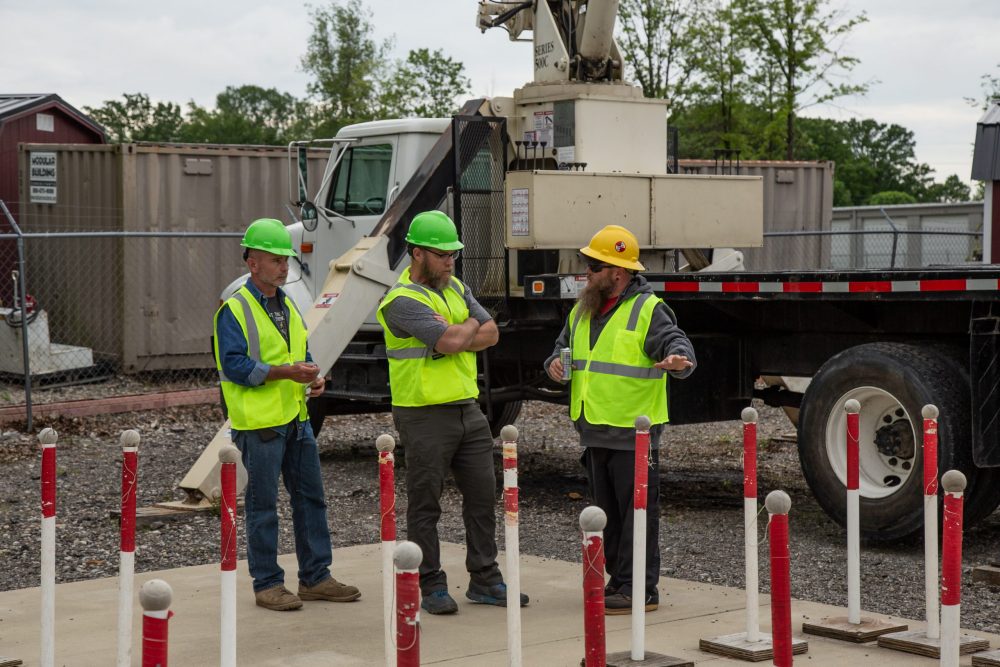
(48, 573)
(950, 630)
(228, 589)
(388, 604)
(853, 558)
(931, 567)
(126, 578)
(752, 583)
(639, 585)
(513, 549)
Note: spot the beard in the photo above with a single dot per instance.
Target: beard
(595, 294)
(439, 280)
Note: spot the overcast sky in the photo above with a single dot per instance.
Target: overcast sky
(925, 54)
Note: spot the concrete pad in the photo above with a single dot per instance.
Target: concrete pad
(351, 634)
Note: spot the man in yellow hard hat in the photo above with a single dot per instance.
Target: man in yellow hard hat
(266, 372)
(433, 328)
(624, 342)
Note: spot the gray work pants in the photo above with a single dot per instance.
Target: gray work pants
(437, 438)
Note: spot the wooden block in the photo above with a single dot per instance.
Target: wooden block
(737, 646)
(987, 574)
(838, 627)
(623, 658)
(919, 643)
(986, 659)
(9, 662)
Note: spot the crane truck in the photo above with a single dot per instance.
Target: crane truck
(529, 178)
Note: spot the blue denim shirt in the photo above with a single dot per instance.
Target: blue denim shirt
(236, 365)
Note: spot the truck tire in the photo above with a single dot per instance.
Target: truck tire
(892, 381)
(503, 414)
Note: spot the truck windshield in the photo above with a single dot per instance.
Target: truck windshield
(361, 181)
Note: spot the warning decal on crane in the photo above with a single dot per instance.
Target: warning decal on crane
(519, 224)
(326, 300)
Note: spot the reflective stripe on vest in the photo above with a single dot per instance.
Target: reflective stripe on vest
(276, 402)
(417, 375)
(615, 382)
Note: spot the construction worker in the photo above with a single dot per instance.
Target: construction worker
(266, 374)
(624, 342)
(433, 328)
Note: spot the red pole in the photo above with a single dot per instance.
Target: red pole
(931, 605)
(155, 596)
(778, 503)
(126, 559)
(751, 565)
(228, 456)
(407, 557)
(47, 438)
(954, 483)
(387, 487)
(592, 522)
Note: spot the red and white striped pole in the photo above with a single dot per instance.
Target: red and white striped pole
(155, 596)
(930, 414)
(126, 559)
(228, 456)
(592, 522)
(749, 416)
(953, 482)
(508, 439)
(853, 514)
(47, 438)
(778, 503)
(387, 528)
(639, 499)
(407, 557)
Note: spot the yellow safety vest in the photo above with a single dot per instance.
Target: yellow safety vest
(276, 402)
(615, 382)
(420, 376)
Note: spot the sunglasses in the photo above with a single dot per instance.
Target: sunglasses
(444, 255)
(597, 267)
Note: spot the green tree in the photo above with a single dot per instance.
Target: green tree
(427, 84)
(248, 114)
(801, 42)
(891, 198)
(136, 118)
(990, 86)
(347, 64)
(659, 45)
(953, 189)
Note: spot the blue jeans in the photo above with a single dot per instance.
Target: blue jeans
(291, 452)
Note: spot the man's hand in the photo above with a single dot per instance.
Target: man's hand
(674, 362)
(303, 372)
(316, 386)
(555, 369)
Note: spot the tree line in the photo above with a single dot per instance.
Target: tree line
(740, 75)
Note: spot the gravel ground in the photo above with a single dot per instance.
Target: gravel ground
(702, 506)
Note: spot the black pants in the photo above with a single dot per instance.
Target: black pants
(611, 478)
(437, 438)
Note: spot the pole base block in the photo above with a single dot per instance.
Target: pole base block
(838, 627)
(919, 643)
(986, 659)
(624, 658)
(737, 646)
(14, 662)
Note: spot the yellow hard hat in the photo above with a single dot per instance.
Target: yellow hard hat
(615, 245)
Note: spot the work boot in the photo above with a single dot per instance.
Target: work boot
(438, 602)
(330, 590)
(277, 598)
(495, 594)
(620, 604)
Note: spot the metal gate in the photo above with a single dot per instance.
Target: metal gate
(478, 199)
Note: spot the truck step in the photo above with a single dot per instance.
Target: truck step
(349, 395)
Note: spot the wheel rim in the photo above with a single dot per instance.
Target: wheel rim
(884, 467)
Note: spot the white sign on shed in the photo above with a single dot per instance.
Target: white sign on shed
(42, 177)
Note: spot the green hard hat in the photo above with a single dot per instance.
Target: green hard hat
(433, 229)
(269, 235)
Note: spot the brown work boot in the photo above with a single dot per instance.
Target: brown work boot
(329, 589)
(277, 598)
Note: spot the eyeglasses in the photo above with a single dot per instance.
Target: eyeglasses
(444, 255)
(597, 267)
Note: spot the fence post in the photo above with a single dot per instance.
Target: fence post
(22, 296)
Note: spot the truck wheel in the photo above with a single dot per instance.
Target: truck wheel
(503, 414)
(892, 382)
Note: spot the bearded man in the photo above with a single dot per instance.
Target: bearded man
(624, 342)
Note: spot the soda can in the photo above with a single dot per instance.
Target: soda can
(566, 357)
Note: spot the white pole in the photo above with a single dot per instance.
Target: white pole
(47, 439)
(385, 444)
(641, 484)
(126, 563)
(853, 517)
(508, 437)
(930, 414)
(749, 416)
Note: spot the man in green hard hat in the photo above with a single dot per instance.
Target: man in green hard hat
(433, 328)
(266, 373)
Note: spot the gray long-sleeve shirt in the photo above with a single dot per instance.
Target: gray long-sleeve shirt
(663, 338)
